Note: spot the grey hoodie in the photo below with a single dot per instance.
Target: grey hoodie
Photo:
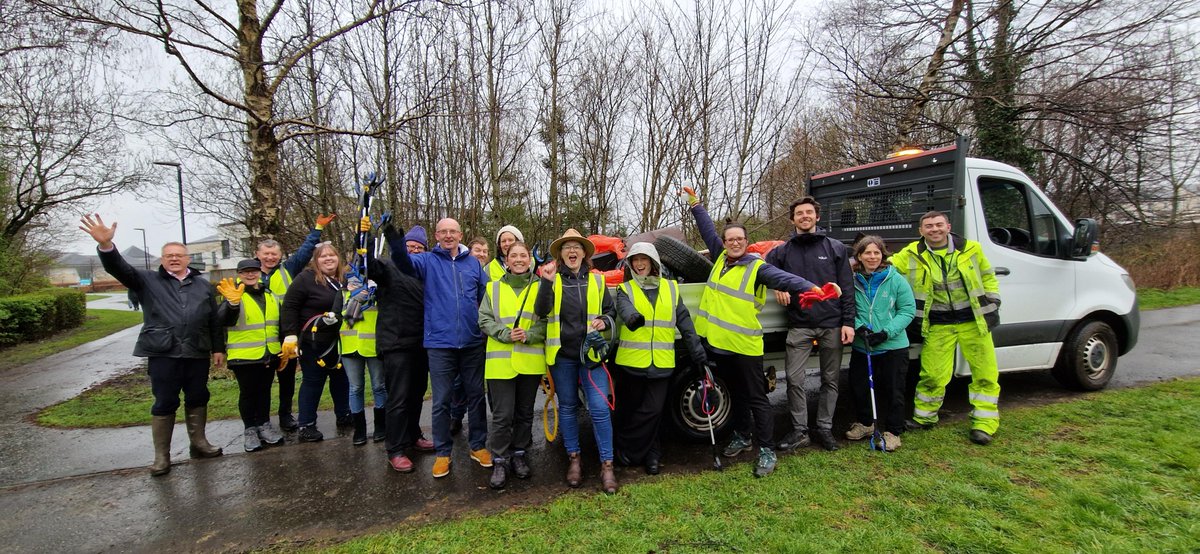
(683, 319)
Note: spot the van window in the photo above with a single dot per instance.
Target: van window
(1017, 219)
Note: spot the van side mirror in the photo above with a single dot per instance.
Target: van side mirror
(1085, 240)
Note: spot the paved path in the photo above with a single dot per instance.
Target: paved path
(77, 490)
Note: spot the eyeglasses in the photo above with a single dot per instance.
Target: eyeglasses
(572, 247)
(447, 232)
(736, 240)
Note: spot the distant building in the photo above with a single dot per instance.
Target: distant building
(69, 270)
(219, 254)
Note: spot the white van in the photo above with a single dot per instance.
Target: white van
(1065, 306)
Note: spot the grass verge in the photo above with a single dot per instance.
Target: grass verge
(125, 400)
(1153, 299)
(1116, 471)
(92, 297)
(98, 324)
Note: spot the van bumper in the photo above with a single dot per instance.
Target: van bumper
(1133, 323)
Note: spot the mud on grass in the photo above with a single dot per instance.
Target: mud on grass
(125, 400)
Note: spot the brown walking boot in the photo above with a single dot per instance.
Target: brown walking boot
(161, 427)
(574, 472)
(200, 448)
(608, 479)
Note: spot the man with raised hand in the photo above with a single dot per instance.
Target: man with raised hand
(278, 274)
(454, 285)
(813, 255)
(180, 334)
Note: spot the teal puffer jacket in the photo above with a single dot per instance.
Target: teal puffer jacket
(885, 302)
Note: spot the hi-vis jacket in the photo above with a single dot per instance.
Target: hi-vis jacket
(917, 263)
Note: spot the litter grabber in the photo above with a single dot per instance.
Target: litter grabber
(362, 289)
(706, 385)
(876, 441)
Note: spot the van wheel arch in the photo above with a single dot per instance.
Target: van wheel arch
(1088, 358)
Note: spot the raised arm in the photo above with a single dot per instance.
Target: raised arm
(296, 262)
(112, 260)
(778, 279)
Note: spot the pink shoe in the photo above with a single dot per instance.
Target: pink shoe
(423, 445)
(401, 463)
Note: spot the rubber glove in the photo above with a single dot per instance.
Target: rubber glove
(290, 349)
(232, 292)
(692, 199)
(323, 220)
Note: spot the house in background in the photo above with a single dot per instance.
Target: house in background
(73, 270)
(218, 255)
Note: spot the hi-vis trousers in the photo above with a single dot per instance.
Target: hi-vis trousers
(937, 367)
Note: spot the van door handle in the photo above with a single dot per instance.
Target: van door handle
(1002, 271)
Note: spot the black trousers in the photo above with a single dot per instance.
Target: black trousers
(170, 376)
(889, 369)
(638, 416)
(287, 386)
(512, 414)
(254, 390)
(406, 373)
(748, 385)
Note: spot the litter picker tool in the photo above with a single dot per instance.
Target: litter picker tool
(709, 384)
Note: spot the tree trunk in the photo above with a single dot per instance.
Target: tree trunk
(905, 127)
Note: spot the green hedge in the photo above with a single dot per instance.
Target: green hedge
(37, 315)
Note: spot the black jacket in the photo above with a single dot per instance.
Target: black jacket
(821, 260)
(306, 298)
(400, 300)
(180, 316)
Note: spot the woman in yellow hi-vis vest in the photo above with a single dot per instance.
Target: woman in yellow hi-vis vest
(358, 356)
(514, 363)
(250, 314)
(575, 302)
(649, 306)
(728, 322)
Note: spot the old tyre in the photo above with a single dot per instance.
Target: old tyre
(685, 406)
(686, 264)
(1088, 358)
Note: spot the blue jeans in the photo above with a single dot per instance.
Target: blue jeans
(353, 364)
(444, 365)
(569, 375)
(313, 383)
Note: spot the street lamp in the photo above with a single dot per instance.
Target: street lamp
(145, 252)
(179, 178)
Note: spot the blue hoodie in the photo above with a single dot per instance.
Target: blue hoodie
(454, 285)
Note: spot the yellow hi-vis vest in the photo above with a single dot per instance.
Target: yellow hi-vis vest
(360, 338)
(728, 314)
(257, 330)
(595, 296)
(654, 342)
(495, 270)
(280, 281)
(505, 360)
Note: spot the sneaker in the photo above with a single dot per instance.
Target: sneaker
(250, 435)
(499, 474)
(859, 431)
(482, 456)
(269, 434)
(401, 463)
(826, 440)
(794, 440)
(441, 466)
(913, 425)
(890, 442)
(766, 462)
(980, 437)
(737, 445)
(423, 445)
(310, 433)
(287, 422)
(520, 466)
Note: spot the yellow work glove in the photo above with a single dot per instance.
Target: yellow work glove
(323, 220)
(289, 350)
(232, 292)
(364, 224)
(692, 199)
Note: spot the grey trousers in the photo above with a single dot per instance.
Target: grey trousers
(799, 347)
(512, 414)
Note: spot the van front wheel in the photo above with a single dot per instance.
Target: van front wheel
(1088, 358)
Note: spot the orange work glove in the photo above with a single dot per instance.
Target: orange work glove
(323, 220)
(232, 292)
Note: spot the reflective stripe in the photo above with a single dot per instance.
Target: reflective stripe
(740, 295)
(953, 307)
(930, 399)
(924, 413)
(952, 285)
(990, 414)
(989, 308)
(984, 397)
(734, 327)
(248, 327)
(258, 344)
(366, 336)
(554, 342)
(498, 354)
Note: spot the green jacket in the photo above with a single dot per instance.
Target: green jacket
(489, 324)
(983, 290)
(891, 308)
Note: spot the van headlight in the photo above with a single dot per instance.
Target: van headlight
(1128, 282)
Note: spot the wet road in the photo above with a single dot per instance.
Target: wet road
(81, 490)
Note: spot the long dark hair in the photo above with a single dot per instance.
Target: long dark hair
(862, 245)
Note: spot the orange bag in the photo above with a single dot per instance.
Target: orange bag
(605, 243)
(763, 246)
